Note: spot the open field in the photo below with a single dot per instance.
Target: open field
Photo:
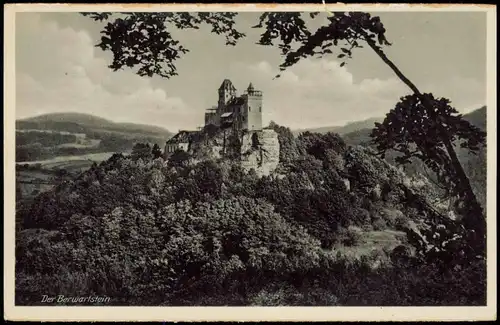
(32, 182)
(60, 161)
(88, 143)
(374, 242)
(43, 178)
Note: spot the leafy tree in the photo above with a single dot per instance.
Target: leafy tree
(179, 158)
(288, 146)
(317, 144)
(152, 50)
(142, 151)
(352, 28)
(143, 40)
(411, 128)
(156, 151)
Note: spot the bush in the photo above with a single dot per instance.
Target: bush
(393, 218)
(179, 158)
(284, 294)
(379, 224)
(348, 237)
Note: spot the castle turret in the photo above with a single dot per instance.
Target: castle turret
(253, 109)
(226, 92)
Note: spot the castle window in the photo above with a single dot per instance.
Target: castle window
(249, 109)
(260, 108)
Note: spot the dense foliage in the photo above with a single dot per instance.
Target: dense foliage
(412, 130)
(147, 231)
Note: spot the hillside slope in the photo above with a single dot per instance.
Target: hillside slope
(474, 165)
(147, 232)
(52, 135)
(344, 129)
(359, 131)
(78, 118)
(79, 122)
(362, 135)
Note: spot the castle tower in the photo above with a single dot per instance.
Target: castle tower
(252, 109)
(226, 92)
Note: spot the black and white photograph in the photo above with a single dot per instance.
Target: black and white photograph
(322, 156)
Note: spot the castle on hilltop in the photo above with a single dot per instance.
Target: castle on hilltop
(240, 112)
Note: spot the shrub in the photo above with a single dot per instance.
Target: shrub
(348, 237)
(142, 151)
(379, 224)
(179, 158)
(284, 294)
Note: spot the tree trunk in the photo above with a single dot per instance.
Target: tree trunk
(463, 181)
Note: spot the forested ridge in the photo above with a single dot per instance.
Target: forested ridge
(41, 137)
(145, 231)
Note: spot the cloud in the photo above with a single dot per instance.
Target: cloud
(57, 70)
(466, 94)
(320, 93)
(317, 93)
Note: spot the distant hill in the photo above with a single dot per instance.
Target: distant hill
(142, 128)
(344, 129)
(362, 135)
(474, 165)
(78, 118)
(38, 141)
(360, 130)
(79, 122)
(83, 123)
(477, 117)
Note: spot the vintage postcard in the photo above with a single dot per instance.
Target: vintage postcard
(250, 162)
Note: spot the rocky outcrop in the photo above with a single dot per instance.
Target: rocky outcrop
(257, 150)
(206, 147)
(347, 184)
(260, 150)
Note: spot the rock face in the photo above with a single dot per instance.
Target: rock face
(260, 150)
(347, 184)
(208, 146)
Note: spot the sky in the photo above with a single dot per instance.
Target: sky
(59, 69)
